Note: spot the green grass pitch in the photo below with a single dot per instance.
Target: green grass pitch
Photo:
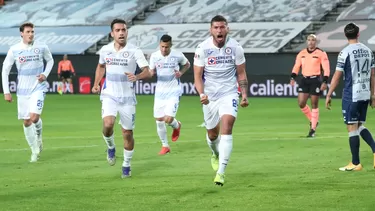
(273, 167)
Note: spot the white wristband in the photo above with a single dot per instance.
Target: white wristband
(202, 95)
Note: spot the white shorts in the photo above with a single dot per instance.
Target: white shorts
(30, 104)
(214, 110)
(126, 112)
(166, 107)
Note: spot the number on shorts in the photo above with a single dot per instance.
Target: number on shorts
(235, 104)
(133, 119)
(175, 108)
(39, 104)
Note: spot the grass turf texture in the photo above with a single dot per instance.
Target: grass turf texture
(273, 167)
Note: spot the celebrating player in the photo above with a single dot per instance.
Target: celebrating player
(65, 72)
(217, 59)
(166, 64)
(311, 59)
(31, 87)
(356, 63)
(119, 59)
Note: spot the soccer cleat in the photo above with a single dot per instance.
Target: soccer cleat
(219, 179)
(311, 134)
(202, 125)
(34, 157)
(215, 162)
(111, 156)
(126, 172)
(164, 150)
(176, 132)
(351, 167)
(317, 124)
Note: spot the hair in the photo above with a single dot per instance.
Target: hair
(166, 38)
(219, 18)
(312, 36)
(351, 31)
(27, 24)
(117, 21)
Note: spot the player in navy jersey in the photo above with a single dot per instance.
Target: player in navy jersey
(356, 63)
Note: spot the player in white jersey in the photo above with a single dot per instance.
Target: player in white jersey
(31, 86)
(356, 63)
(217, 60)
(166, 64)
(119, 61)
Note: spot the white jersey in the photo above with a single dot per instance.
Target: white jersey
(356, 61)
(29, 62)
(219, 64)
(116, 85)
(168, 86)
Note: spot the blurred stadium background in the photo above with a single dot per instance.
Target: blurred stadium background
(273, 166)
(269, 30)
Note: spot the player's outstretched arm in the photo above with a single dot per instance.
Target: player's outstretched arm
(99, 74)
(7, 66)
(334, 83)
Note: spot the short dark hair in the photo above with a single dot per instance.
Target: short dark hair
(117, 21)
(27, 24)
(351, 31)
(166, 38)
(219, 18)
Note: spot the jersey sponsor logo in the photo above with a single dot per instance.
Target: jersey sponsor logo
(211, 60)
(108, 60)
(22, 59)
(36, 50)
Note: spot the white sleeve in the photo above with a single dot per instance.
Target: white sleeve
(240, 56)
(140, 58)
(48, 57)
(101, 57)
(183, 59)
(152, 62)
(7, 66)
(341, 61)
(199, 57)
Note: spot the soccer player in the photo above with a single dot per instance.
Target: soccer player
(65, 72)
(311, 59)
(216, 62)
(32, 85)
(356, 63)
(119, 61)
(166, 64)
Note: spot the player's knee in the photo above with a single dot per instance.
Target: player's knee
(212, 135)
(34, 118)
(127, 134)
(108, 125)
(27, 122)
(168, 119)
(302, 104)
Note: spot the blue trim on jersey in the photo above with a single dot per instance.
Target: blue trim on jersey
(105, 84)
(348, 80)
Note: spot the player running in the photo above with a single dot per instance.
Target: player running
(356, 63)
(119, 61)
(311, 59)
(32, 85)
(166, 64)
(218, 59)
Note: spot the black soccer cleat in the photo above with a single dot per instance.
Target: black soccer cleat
(311, 134)
(317, 124)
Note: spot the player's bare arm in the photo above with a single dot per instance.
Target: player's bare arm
(183, 70)
(326, 72)
(99, 74)
(243, 83)
(372, 85)
(198, 83)
(334, 83)
(7, 66)
(296, 69)
(143, 75)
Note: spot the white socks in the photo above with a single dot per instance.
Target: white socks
(214, 145)
(110, 141)
(39, 127)
(128, 154)
(31, 138)
(162, 132)
(174, 124)
(225, 150)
